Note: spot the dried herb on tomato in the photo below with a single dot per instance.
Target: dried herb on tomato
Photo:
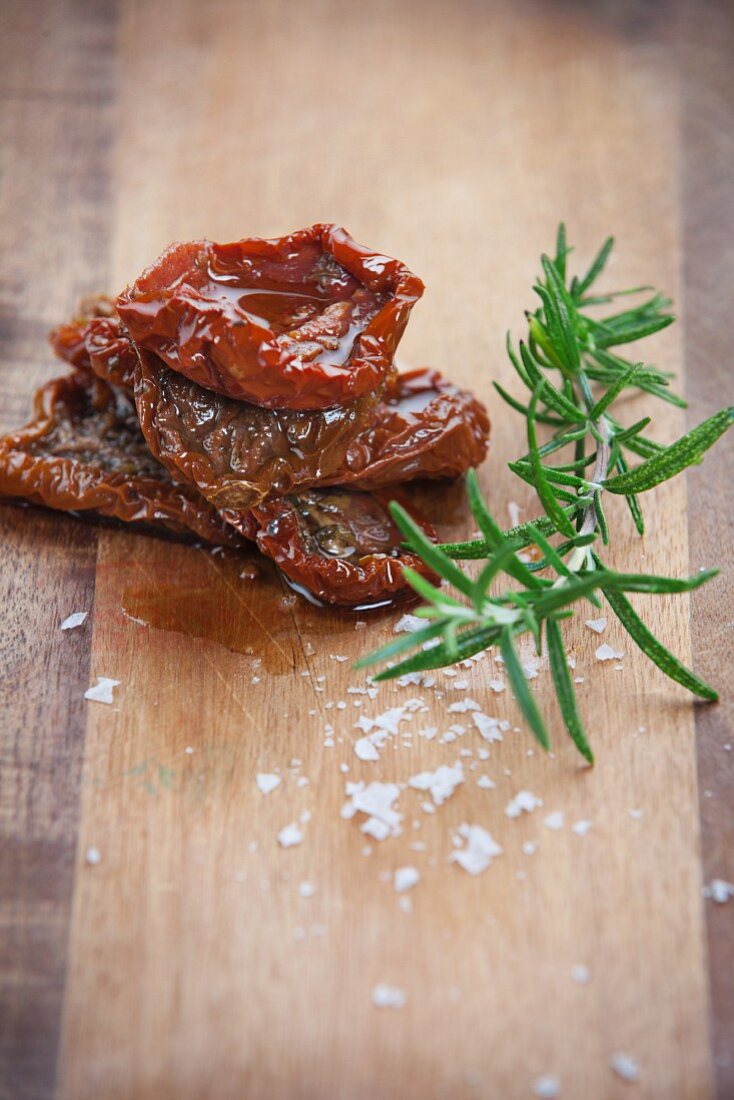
(84, 452)
(425, 427)
(340, 546)
(306, 321)
(233, 452)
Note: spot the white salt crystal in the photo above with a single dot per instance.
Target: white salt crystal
(306, 889)
(523, 802)
(267, 782)
(489, 728)
(485, 783)
(546, 1087)
(580, 974)
(719, 891)
(366, 749)
(464, 706)
(606, 653)
(625, 1066)
(479, 852)
(388, 996)
(407, 624)
(102, 690)
(406, 878)
(73, 620)
(289, 836)
(555, 820)
(529, 847)
(581, 828)
(93, 856)
(441, 783)
(597, 625)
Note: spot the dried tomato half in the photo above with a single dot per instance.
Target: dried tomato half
(233, 452)
(84, 452)
(97, 341)
(307, 321)
(425, 427)
(340, 546)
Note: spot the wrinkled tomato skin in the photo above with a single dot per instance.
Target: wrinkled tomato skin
(357, 580)
(83, 452)
(236, 453)
(327, 317)
(424, 427)
(95, 340)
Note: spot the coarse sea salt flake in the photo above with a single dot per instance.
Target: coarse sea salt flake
(719, 891)
(406, 878)
(92, 856)
(485, 783)
(289, 836)
(606, 653)
(408, 623)
(489, 728)
(523, 802)
(464, 706)
(580, 974)
(441, 783)
(366, 749)
(597, 625)
(388, 996)
(102, 690)
(267, 782)
(480, 850)
(555, 820)
(581, 828)
(306, 889)
(625, 1066)
(546, 1087)
(73, 620)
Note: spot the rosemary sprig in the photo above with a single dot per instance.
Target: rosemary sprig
(574, 379)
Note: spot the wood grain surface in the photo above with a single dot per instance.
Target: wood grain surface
(187, 963)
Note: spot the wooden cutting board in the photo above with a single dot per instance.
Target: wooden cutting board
(187, 963)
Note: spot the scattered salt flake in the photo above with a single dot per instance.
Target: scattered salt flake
(376, 800)
(489, 728)
(302, 781)
(464, 706)
(529, 847)
(479, 852)
(636, 814)
(102, 690)
(578, 679)
(428, 808)
(341, 657)
(460, 685)
(367, 749)
(406, 905)
(267, 782)
(606, 653)
(546, 1087)
(306, 889)
(388, 996)
(580, 974)
(360, 625)
(497, 686)
(92, 856)
(408, 623)
(299, 933)
(189, 750)
(597, 625)
(485, 783)
(625, 1066)
(523, 802)
(513, 511)
(290, 836)
(581, 828)
(719, 890)
(405, 878)
(73, 620)
(441, 783)
(555, 821)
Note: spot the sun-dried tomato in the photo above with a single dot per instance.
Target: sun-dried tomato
(233, 452)
(338, 545)
(84, 452)
(97, 341)
(425, 427)
(307, 321)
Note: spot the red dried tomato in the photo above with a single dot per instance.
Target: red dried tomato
(84, 452)
(236, 453)
(425, 427)
(97, 341)
(340, 546)
(307, 321)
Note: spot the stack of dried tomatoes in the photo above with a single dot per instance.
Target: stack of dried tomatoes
(248, 392)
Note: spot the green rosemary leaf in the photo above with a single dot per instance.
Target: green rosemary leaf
(562, 251)
(469, 643)
(624, 380)
(436, 596)
(552, 397)
(687, 451)
(601, 518)
(644, 582)
(501, 559)
(655, 650)
(542, 418)
(493, 533)
(429, 552)
(631, 500)
(524, 696)
(564, 316)
(597, 266)
(547, 499)
(565, 689)
(413, 640)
